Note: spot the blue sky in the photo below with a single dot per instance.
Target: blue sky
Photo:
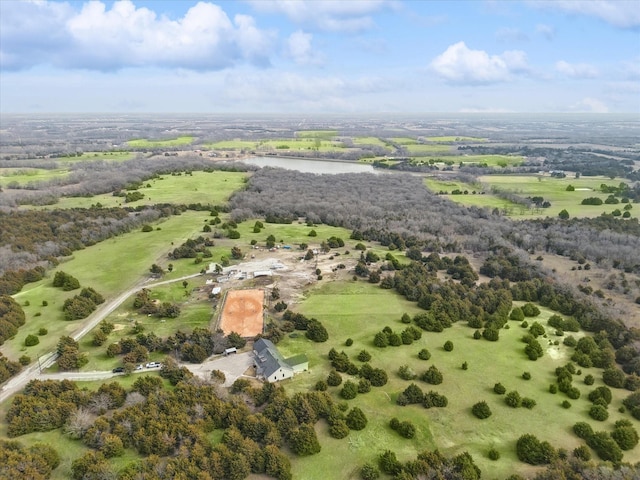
(320, 56)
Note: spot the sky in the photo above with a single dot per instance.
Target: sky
(320, 56)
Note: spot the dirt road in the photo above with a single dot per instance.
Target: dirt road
(18, 382)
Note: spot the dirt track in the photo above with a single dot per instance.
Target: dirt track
(242, 312)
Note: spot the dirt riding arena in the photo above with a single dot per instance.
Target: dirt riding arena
(242, 312)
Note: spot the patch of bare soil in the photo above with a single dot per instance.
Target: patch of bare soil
(616, 303)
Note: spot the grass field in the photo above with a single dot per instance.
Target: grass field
(109, 267)
(305, 143)
(324, 134)
(34, 176)
(453, 139)
(552, 189)
(301, 144)
(491, 160)
(374, 141)
(555, 190)
(231, 145)
(425, 149)
(358, 310)
(171, 142)
(404, 140)
(288, 234)
(116, 156)
(199, 187)
(193, 314)
(29, 176)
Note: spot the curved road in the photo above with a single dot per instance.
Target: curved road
(18, 382)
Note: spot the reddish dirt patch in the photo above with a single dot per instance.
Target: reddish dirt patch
(242, 312)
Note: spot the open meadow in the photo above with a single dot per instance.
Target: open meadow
(110, 267)
(170, 142)
(196, 187)
(358, 310)
(552, 189)
(29, 177)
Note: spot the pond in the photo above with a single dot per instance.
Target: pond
(310, 166)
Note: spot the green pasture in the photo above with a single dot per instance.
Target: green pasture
(306, 143)
(300, 144)
(325, 134)
(491, 160)
(555, 191)
(236, 144)
(373, 141)
(115, 155)
(171, 142)
(470, 199)
(292, 234)
(454, 139)
(193, 314)
(436, 185)
(552, 189)
(109, 267)
(404, 140)
(422, 149)
(29, 176)
(198, 187)
(359, 310)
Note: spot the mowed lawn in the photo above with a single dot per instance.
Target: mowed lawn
(199, 187)
(358, 310)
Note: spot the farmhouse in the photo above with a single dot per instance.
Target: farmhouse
(272, 366)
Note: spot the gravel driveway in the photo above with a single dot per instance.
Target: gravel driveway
(233, 366)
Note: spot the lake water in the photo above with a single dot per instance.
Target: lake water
(310, 166)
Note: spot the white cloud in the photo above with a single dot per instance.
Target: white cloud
(460, 65)
(590, 105)
(330, 15)
(619, 13)
(547, 31)
(30, 31)
(300, 50)
(577, 70)
(126, 36)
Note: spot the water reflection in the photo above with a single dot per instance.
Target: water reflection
(310, 166)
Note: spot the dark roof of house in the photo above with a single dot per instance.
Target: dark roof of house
(268, 359)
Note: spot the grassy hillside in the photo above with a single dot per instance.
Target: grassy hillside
(358, 310)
